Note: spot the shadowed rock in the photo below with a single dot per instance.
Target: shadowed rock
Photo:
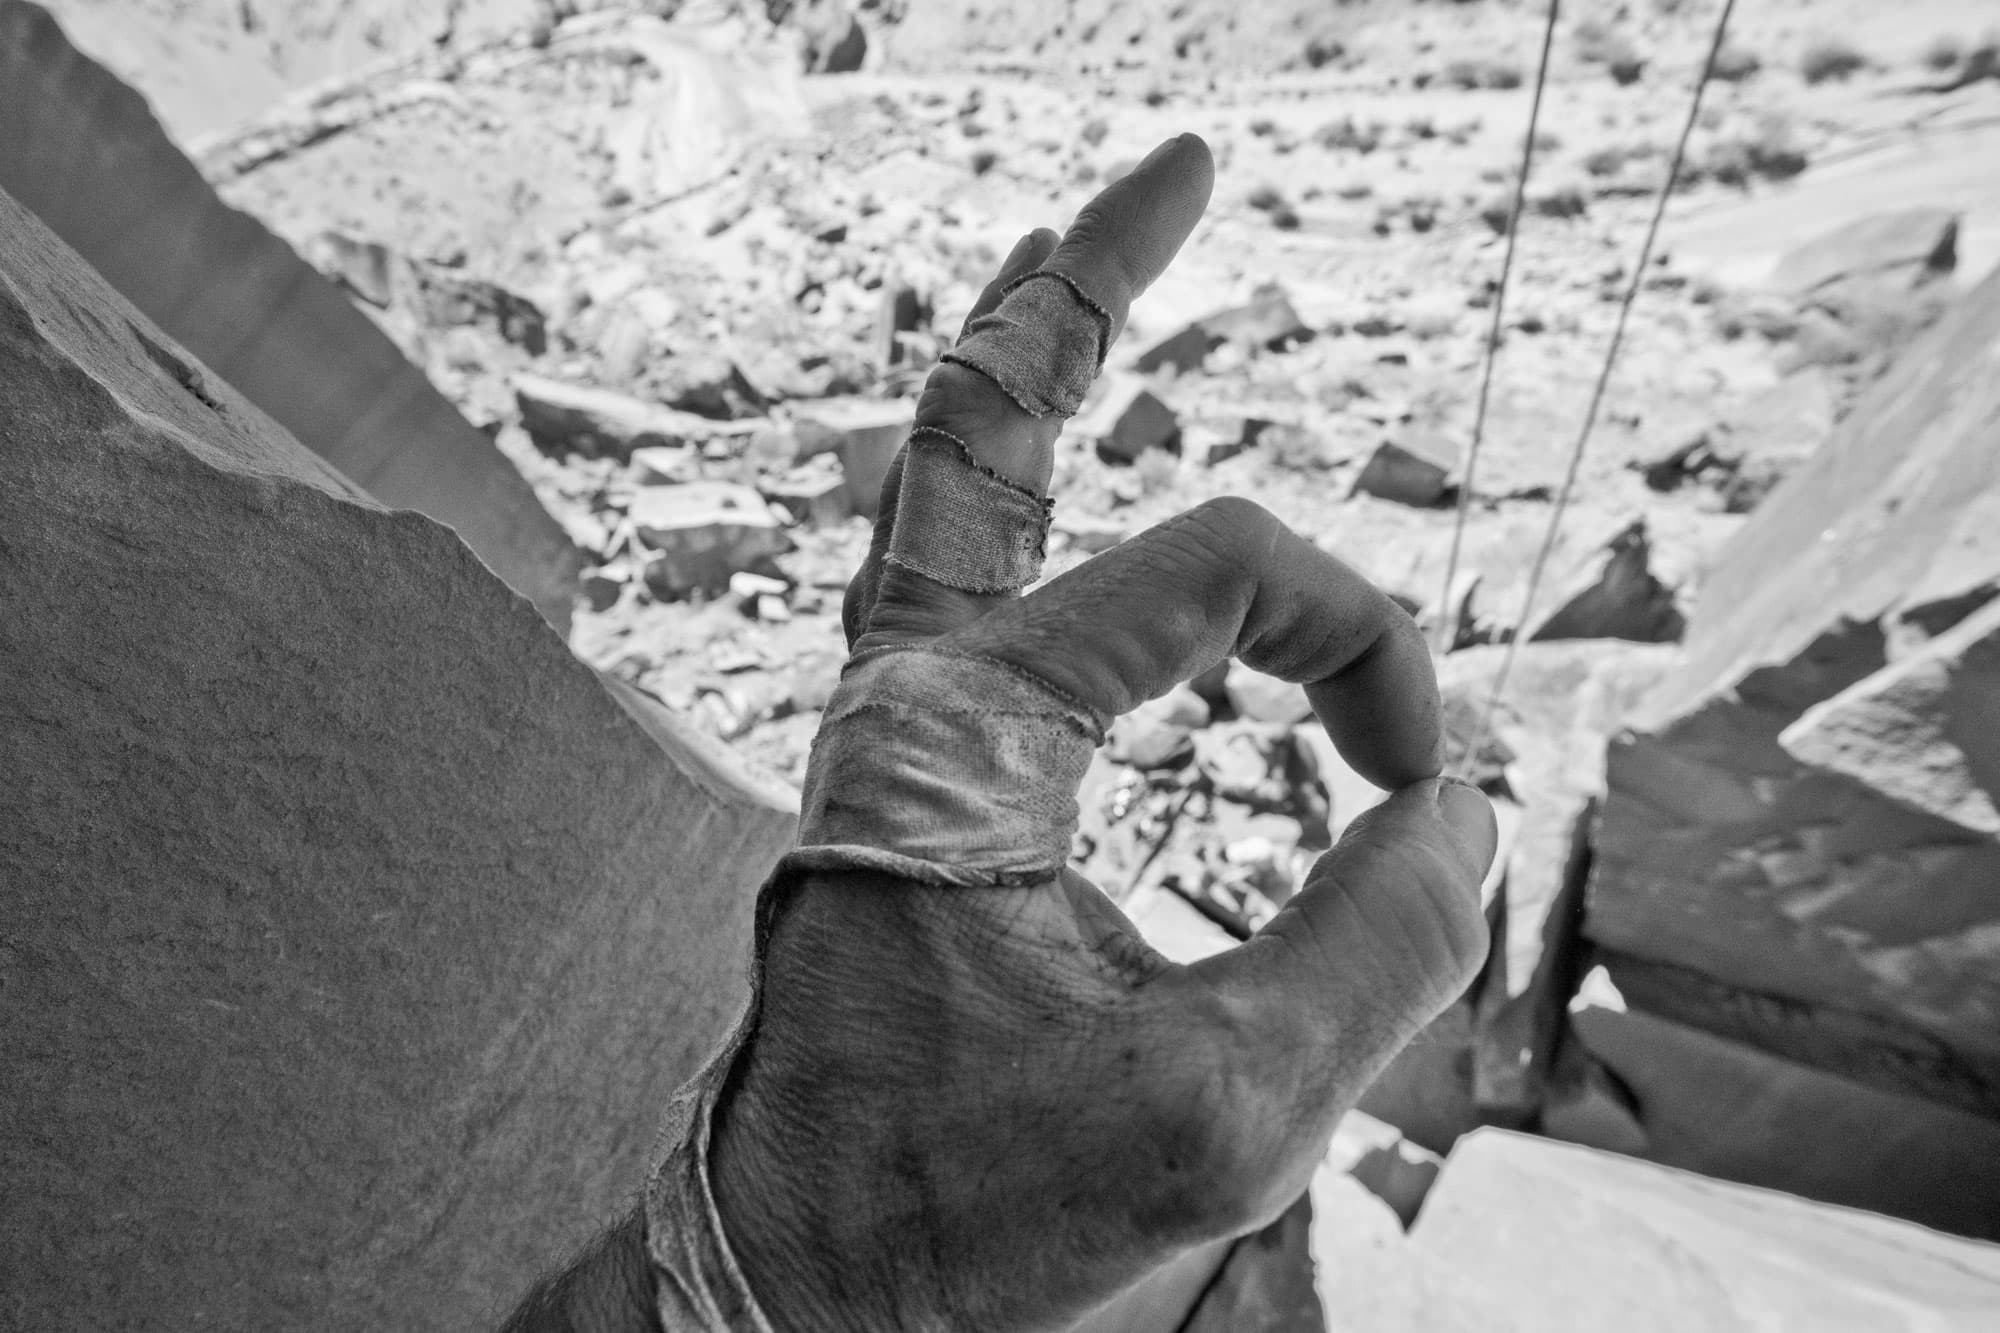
(357, 932)
(1804, 816)
(82, 151)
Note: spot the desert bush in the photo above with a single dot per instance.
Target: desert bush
(1609, 161)
(1483, 74)
(1943, 52)
(1348, 133)
(1733, 64)
(1265, 198)
(1829, 58)
(1295, 449)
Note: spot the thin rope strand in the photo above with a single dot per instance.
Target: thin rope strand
(1444, 621)
(1478, 737)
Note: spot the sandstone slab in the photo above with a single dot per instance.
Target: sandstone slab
(1854, 874)
(83, 152)
(358, 931)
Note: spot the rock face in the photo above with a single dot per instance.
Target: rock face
(1528, 1236)
(82, 151)
(1907, 247)
(357, 931)
(1800, 842)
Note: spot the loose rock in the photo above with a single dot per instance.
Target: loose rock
(1408, 472)
(702, 533)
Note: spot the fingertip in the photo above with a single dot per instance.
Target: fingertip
(1468, 815)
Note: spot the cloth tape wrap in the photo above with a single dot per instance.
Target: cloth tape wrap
(964, 525)
(948, 769)
(1043, 345)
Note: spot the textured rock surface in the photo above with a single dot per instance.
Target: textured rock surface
(1553, 1237)
(1563, 701)
(1728, 1108)
(1906, 247)
(356, 931)
(1523, 1234)
(1806, 815)
(82, 151)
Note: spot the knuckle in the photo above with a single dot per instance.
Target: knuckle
(1240, 531)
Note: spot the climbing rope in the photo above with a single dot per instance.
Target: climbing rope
(1445, 623)
(1485, 721)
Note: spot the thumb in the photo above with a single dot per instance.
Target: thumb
(1386, 933)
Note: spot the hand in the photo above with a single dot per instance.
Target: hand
(995, 1107)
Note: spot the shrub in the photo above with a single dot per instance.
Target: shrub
(1733, 64)
(1295, 449)
(1943, 52)
(1605, 161)
(1627, 70)
(1348, 133)
(1830, 58)
(1483, 74)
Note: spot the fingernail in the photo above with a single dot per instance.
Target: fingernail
(1469, 815)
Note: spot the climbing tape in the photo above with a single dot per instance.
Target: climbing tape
(1444, 616)
(1485, 720)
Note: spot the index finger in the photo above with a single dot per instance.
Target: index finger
(1004, 392)
(1228, 579)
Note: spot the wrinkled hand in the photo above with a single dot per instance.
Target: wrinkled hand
(995, 1108)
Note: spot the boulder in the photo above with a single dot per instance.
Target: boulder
(1615, 595)
(900, 312)
(1410, 472)
(1159, 732)
(1182, 351)
(251, 311)
(665, 465)
(368, 270)
(865, 434)
(577, 418)
(701, 533)
(1258, 765)
(835, 41)
(445, 298)
(1799, 812)
(1267, 322)
(1387, 1165)
(1924, 731)
(815, 493)
(1904, 248)
(1127, 420)
(357, 932)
